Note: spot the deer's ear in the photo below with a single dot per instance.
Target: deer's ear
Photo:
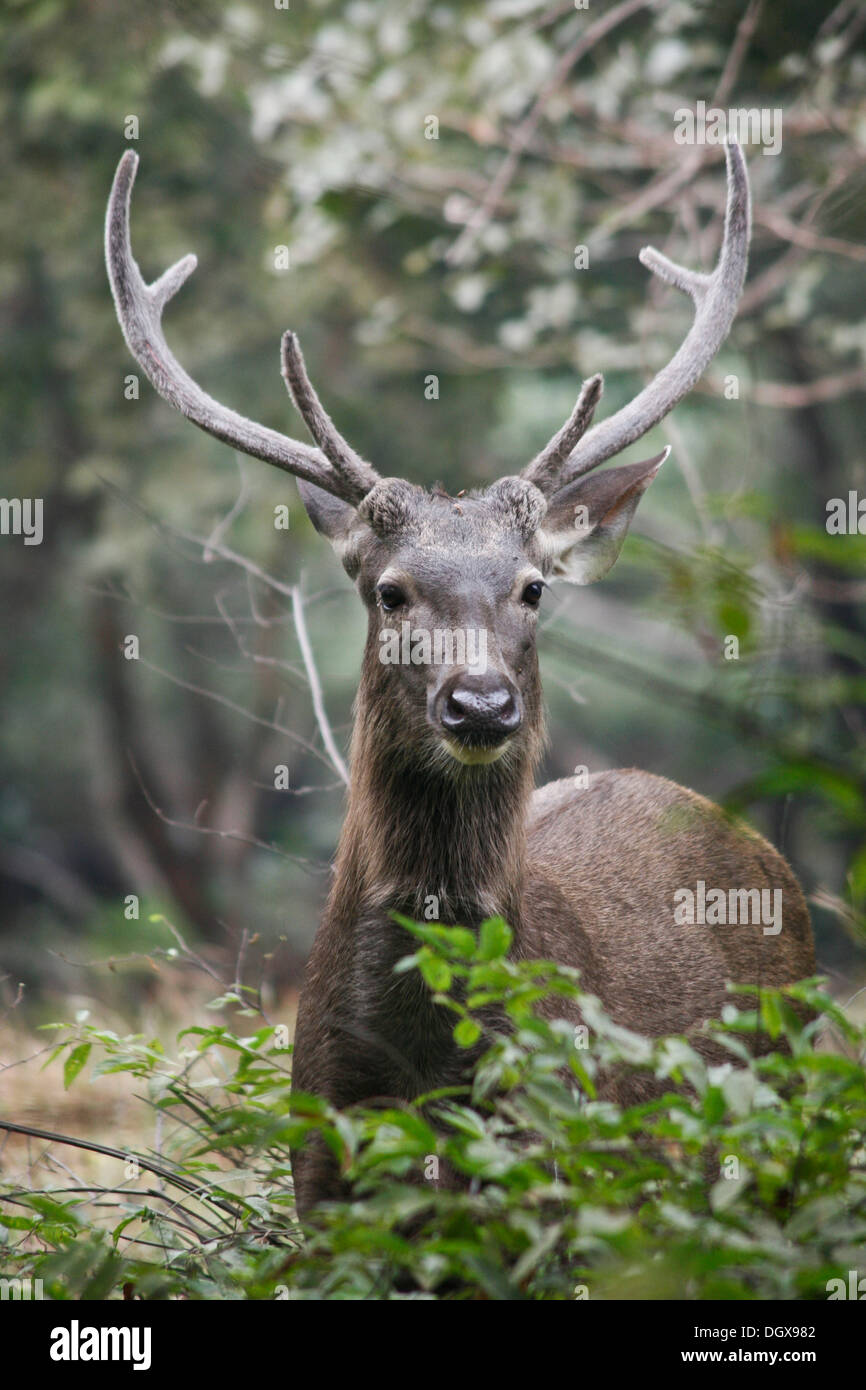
(335, 520)
(587, 521)
(331, 517)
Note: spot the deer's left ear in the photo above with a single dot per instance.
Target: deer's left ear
(331, 517)
(335, 520)
(587, 520)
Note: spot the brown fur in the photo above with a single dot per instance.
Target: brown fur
(585, 876)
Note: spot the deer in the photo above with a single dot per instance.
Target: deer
(441, 797)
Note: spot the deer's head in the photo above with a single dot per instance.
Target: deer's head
(453, 585)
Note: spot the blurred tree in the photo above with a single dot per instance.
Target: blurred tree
(462, 189)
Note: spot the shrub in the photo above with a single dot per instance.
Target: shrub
(744, 1181)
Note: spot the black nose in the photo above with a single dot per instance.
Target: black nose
(481, 710)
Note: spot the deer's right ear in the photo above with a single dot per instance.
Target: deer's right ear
(587, 520)
(335, 520)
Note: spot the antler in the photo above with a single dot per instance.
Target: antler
(545, 470)
(334, 466)
(715, 296)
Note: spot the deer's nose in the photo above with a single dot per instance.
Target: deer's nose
(481, 710)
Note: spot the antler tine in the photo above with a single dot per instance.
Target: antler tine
(317, 419)
(546, 468)
(139, 310)
(715, 296)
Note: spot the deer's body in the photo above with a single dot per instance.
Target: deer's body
(444, 752)
(611, 858)
(586, 876)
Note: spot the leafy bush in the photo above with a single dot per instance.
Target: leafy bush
(746, 1180)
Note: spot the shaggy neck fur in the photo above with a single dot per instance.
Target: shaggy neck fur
(420, 824)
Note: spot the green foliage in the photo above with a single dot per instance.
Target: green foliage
(745, 1180)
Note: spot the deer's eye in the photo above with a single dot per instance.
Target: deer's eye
(532, 593)
(391, 596)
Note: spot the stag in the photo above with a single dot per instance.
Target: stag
(441, 797)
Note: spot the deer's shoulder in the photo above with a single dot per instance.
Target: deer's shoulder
(628, 818)
(606, 862)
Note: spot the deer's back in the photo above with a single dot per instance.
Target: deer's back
(605, 863)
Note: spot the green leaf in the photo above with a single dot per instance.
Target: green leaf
(771, 1013)
(467, 1032)
(714, 1105)
(74, 1062)
(494, 939)
(436, 972)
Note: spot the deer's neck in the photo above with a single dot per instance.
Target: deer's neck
(429, 838)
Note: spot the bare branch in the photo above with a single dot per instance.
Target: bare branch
(798, 396)
(525, 131)
(693, 482)
(220, 834)
(237, 709)
(147, 1163)
(225, 523)
(315, 686)
(737, 52)
(783, 227)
